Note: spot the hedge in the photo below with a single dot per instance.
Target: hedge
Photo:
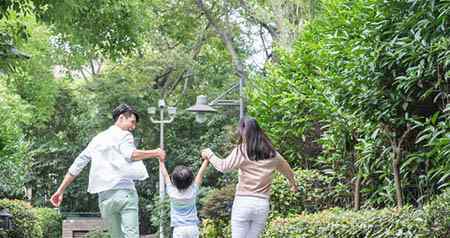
(50, 222)
(433, 221)
(31, 222)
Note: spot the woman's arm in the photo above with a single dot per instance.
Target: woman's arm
(231, 162)
(287, 171)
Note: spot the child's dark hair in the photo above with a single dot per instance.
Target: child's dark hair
(182, 177)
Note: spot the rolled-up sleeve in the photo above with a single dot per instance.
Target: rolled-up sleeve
(80, 162)
(127, 146)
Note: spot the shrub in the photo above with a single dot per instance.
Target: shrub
(437, 214)
(97, 234)
(316, 192)
(215, 229)
(217, 203)
(154, 209)
(50, 222)
(216, 212)
(432, 221)
(339, 223)
(25, 221)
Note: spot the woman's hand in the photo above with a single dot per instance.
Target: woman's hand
(207, 154)
(294, 188)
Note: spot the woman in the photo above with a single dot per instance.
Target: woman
(256, 160)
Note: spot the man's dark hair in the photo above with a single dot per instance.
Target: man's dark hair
(125, 109)
(182, 177)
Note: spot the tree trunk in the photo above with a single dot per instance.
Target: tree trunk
(357, 193)
(397, 179)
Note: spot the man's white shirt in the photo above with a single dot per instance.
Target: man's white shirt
(112, 166)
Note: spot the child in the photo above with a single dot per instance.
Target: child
(182, 190)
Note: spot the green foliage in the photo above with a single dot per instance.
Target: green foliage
(109, 27)
(212, 228)
(155, 209)
(339, 223)
(25, 221)
(437, 214)
(14, 113)
(217, 204)
(357, 90)
(50, 222)
(317, 191)
(97, 234)
(405, 222)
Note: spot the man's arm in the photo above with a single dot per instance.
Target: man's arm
(80, 162)
(201, 171)
(128, 149)
(145, 154)
(164, 172)
(57, 197)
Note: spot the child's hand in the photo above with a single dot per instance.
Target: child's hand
(207, 153)
(294, 189)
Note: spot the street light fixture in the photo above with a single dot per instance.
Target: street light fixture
(171, 111)
(202, 106)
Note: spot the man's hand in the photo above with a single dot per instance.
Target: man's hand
(56, 199)
(161, 154)
(206, 153)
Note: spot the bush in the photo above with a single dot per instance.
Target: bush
(316, 192)
(217, 203)
(216, 212)
(437, 214)
(340, 223)
(25, 221)
(215, 229)
(432, 221)
(97, 234)
(155, 210)
(50, 222)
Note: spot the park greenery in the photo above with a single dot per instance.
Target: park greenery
(355, 94)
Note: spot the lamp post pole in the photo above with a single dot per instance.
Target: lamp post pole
(161, 122)
(241, 98)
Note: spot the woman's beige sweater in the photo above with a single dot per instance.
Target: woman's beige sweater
(255, 177)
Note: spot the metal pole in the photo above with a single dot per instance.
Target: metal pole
(241, 98)
(161, 178)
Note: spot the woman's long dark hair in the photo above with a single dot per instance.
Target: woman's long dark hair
(257, 144)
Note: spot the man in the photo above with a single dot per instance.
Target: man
(116, 163)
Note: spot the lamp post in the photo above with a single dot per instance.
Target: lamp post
(202, 106)
(152, 111)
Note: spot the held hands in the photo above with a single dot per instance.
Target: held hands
(56, 199)
(206, 154)
(161, 154)
(294, 188)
